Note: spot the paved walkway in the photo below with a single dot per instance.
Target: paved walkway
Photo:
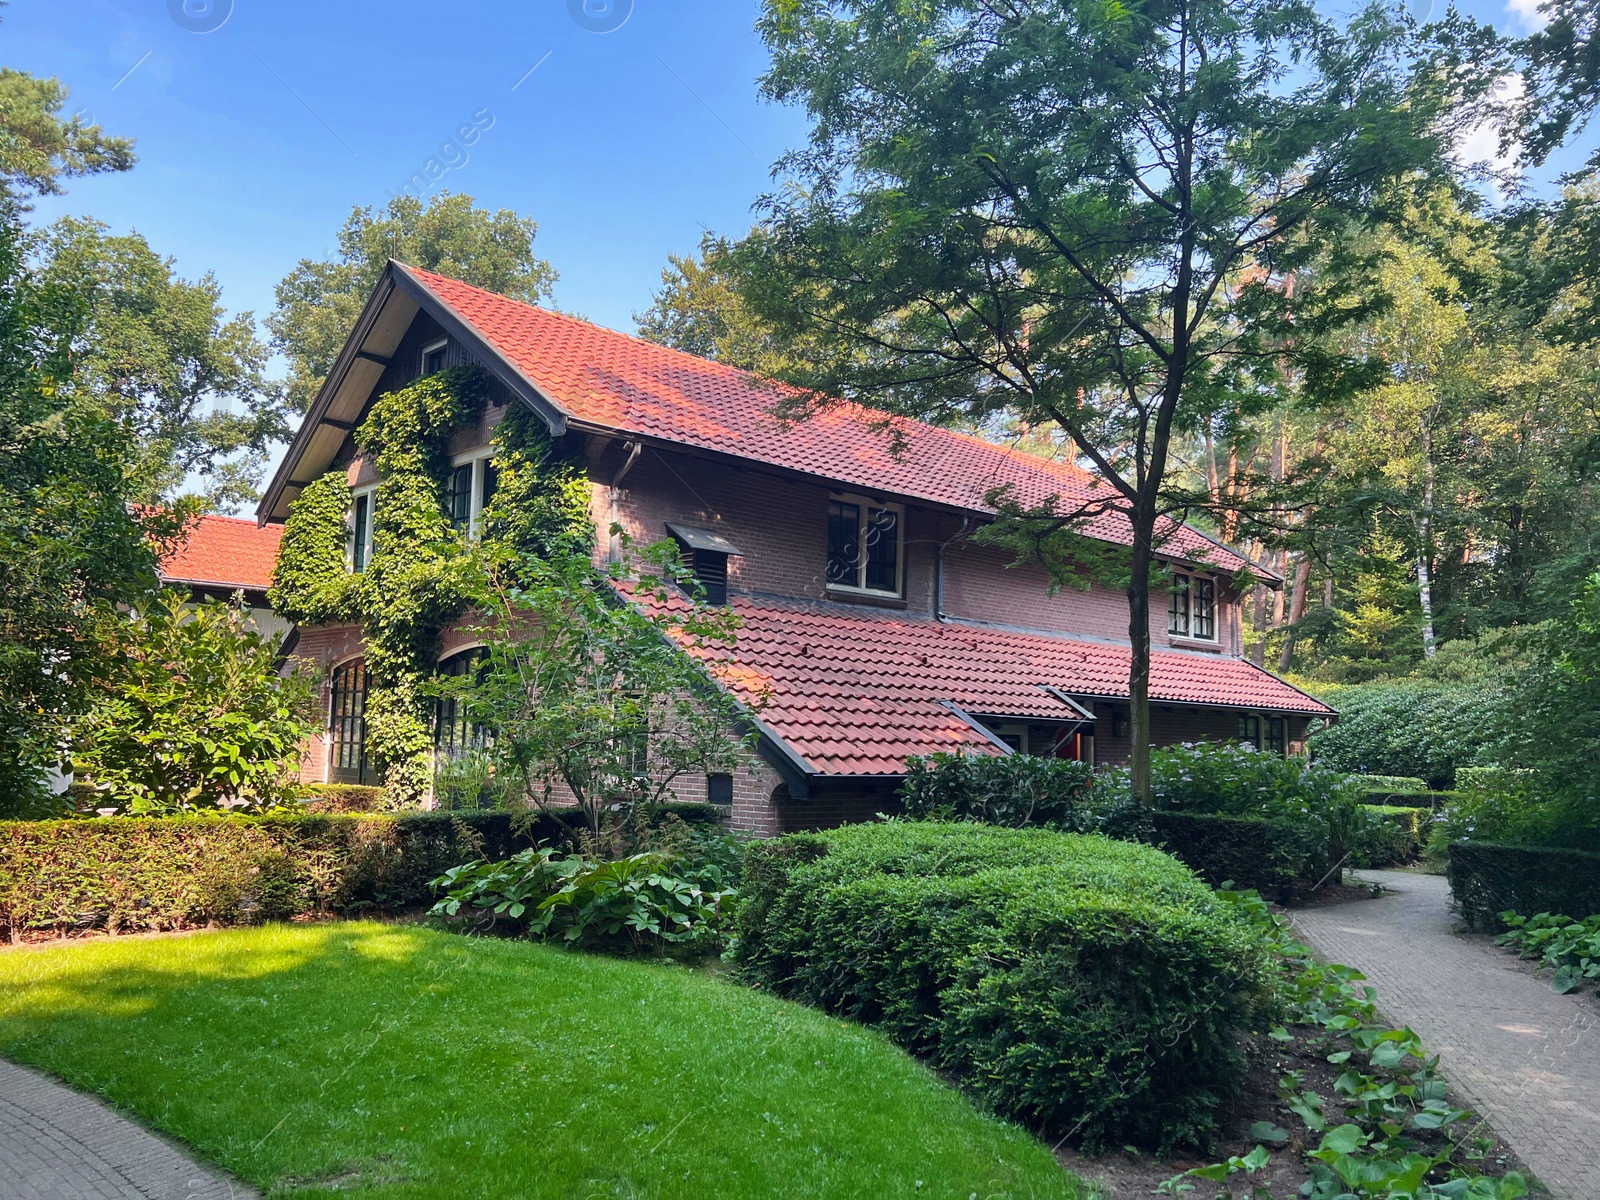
(58, 1144)
(1524, 1057)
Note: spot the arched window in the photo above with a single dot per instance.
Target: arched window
(347, 724)
(454, 731)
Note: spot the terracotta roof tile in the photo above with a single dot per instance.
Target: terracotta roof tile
(855, 691)
(602, 377)
(225, 550)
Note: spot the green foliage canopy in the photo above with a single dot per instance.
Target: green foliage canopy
(38, 148)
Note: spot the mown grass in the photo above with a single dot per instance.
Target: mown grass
(396, 1061)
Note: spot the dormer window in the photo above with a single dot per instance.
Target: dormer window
(864, 546)
(706, 555)
(470, 488)
(434, 356)
(1192, 607)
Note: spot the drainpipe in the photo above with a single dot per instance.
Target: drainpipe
(616, 493)
(938, 570)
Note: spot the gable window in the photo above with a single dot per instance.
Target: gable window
(434, 356)
(864, 546)
(469, 489)
(347, 724)
(1192, 607)
(362, 503)
(1264, 732)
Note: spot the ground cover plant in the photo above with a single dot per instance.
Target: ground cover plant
(1570, 948)
(1390, 1130)
(395, 1061)
(679, 893)
(1090, 987)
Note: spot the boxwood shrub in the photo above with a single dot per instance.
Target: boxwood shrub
(1488, 878)
(1082, 985)
(1245, 852)
(128, 875)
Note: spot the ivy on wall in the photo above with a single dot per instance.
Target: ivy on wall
(423, 573)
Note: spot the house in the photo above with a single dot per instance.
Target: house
(221, 557)
(874, 625)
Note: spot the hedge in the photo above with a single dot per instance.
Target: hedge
(1395, 834)
(133, 874)
(1246, 852)
(1076, 983)
(1488, 878)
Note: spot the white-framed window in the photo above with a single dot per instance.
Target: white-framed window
(434, 357)
(866, 546)
(358, 546)
(1192, 607)
(473, 478)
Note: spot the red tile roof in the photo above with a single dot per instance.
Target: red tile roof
(605, 378)
(226, 551)
(854, 691)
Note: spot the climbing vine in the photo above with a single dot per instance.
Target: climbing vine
(541, 502)
(423, 573)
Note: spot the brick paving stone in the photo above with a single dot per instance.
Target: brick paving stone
(58, 1144)
(1521, 1055)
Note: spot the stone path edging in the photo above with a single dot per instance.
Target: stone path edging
(1521, 1055)
(58, 1144)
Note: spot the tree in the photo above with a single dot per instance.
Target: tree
(73, 546)
(319, 300)
(38, 148)
(195, 716)
(700, 309)
(162, 358)
(1079, 213)
(592, 698)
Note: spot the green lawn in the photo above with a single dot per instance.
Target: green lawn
(395, 1061)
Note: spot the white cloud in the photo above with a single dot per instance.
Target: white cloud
(1480, 145)
(1527, 12)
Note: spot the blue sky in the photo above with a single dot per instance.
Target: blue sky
(255, 139)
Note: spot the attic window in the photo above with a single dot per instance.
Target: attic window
(706, 555)
(434, 355)
(864, 542)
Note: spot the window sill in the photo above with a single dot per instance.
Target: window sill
(1191, 643)
(871, 599)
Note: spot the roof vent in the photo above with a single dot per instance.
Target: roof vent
(707, 556)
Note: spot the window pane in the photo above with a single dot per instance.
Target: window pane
(719, 790)
(361, 531)
(1178, 606)
(454, 731)
(1204, 603)
(434, 360)
(844, 551)
(491, 480)
(883, 549)
(347, 726)
(459, 500)
(1275, 738)
(1250, 730)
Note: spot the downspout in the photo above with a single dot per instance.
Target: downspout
(634, 448)
(938, 570)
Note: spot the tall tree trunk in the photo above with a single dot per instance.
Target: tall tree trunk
(1425, 543)
(1143, 521)
(1297, 609)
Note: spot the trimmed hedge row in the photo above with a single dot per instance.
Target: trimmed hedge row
(1077, 983)
(1246, 852)
(132, 874)
(1488, 878)
(1396, 834)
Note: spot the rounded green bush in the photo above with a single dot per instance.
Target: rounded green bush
(1077, 983)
